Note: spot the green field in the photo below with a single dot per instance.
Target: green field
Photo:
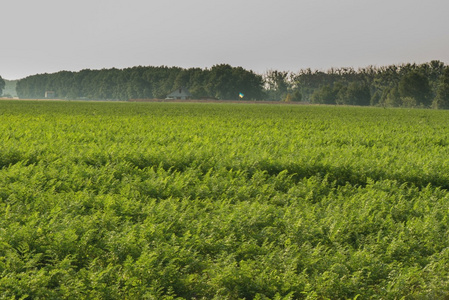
(224, 201)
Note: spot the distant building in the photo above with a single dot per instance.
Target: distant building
(180, 93)
(50, 95)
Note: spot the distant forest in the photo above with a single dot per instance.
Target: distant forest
(409, 85)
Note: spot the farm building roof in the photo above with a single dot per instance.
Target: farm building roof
(180, 92)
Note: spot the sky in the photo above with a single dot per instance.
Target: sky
(48, 36)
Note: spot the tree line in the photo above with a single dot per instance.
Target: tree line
(219, 82)
(409, 85)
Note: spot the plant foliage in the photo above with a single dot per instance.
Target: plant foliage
(182, 201)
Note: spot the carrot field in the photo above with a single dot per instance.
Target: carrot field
(222, 201)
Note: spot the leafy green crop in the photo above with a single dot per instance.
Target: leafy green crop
(225, 201)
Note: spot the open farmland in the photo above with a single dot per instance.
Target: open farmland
(225, 201)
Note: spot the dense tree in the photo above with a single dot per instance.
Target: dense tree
(324, 95)
(226, 82)
(434, 71)
(356, 93)
(393, 98)
(442, 98)
(415, 86)
(2, 85)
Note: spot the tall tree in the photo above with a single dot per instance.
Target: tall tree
(277, 84)
(442, 98)
(226, 82)
(2, 85)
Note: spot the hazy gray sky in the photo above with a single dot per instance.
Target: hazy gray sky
(53, 35)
